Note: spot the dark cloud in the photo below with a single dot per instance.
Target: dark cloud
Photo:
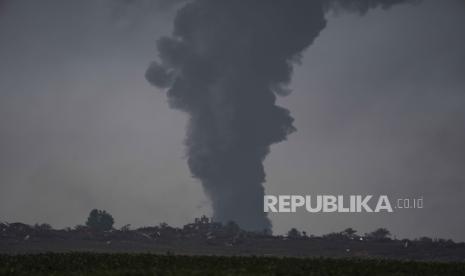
(224, 65)
(227, 57)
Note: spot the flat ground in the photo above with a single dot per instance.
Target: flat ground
(149, 264)
(252, 247)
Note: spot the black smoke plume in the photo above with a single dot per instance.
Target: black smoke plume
(224, 65)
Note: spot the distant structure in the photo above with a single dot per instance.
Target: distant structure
(202, 225)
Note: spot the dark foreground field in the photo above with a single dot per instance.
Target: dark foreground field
(150, 264)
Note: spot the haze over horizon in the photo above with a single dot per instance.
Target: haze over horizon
(377, 101)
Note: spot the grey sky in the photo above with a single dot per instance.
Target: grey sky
(378, 103)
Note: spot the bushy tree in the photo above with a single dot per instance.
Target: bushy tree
(379, 234)
(334, 236)
(100, 220)
(349, 233)
(294, 234)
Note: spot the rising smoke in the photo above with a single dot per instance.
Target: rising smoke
(224, 65)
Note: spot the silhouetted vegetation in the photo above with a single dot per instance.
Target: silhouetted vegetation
(148, 264)
(205, 236)
(294, 234)
(380, 234)
(100, 220)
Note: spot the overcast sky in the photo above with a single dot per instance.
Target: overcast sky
(378, 103)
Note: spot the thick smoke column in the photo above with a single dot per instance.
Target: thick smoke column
(224, 65)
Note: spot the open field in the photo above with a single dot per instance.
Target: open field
(150, 264)
(272, 247)
(206, 238)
